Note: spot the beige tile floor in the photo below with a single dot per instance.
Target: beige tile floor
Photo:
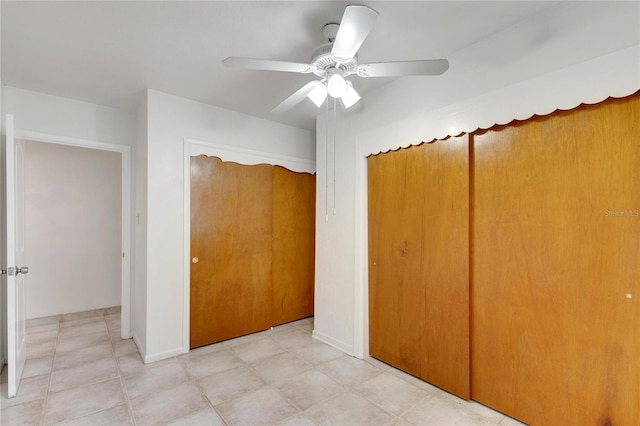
(79, 372)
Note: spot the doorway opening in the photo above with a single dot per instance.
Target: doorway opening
(76, 214)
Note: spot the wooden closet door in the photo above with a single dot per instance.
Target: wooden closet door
(231, 220)
(419, 261)
(293, 245)
(445, 266)
(396, 293)
(556, 281)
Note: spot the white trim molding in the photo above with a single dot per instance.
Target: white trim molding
(159, 356)
(249, 156)
(338, 344)
(140, 347)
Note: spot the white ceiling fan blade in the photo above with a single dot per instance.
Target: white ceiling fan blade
(266, 65)
(296, 98)
(356, 24)
(397, 69)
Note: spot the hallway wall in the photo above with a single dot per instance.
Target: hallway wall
(73, 228)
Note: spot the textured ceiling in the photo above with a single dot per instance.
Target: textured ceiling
(108, 52)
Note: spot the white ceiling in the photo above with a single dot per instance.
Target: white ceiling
(108, 52)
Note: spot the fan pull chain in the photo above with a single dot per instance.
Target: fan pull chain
(335, 130)
(326, 161)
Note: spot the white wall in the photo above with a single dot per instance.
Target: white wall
(170, 120)
(139, 290)
(335, 232)
(2, 279)
(412, 110)
(53, 115)
(73, 223)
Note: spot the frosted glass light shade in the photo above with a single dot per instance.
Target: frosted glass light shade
(318, 94)
(336, 85)
(350, 96)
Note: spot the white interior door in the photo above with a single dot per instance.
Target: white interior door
(15, 258)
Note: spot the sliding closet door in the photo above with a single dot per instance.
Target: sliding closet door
(556, 281)
(293, 245)
(445, 266)
(231, 220)
(419, 261)
(396, 294)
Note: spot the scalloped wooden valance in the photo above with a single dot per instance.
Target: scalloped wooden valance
(615, 75)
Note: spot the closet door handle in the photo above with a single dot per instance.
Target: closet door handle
(195, 260)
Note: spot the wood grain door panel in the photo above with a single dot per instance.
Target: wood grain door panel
(555, 336)
(231, 233)
(419, 261)
(396, 296)
(293, 245)
(253, 234)
(445, 268)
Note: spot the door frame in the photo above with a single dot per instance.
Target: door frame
(194, 147)
(127, 250)
(13, 253)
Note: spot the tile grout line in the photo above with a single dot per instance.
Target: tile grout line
(353, 388)
(55, 354)
(291, 350)
(249, 365)
(315, 368)
(349, 388)
(197, 383)
(406, 410)
(120, 376)
(103, 319)
(265, 384)
(45, 401)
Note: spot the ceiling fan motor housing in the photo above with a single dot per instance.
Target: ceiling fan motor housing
(322, 60)
(330, 31)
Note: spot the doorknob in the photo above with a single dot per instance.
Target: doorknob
(15, 270)
(195, 260)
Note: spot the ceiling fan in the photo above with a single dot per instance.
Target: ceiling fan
(337, 59)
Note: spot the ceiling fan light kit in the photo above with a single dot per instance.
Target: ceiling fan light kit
(318, 94)
(336, 84)
(350, 96)
(337, 59)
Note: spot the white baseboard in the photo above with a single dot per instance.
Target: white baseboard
(149, 358)
(136, 340)
(163, 355)
(344, 347)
